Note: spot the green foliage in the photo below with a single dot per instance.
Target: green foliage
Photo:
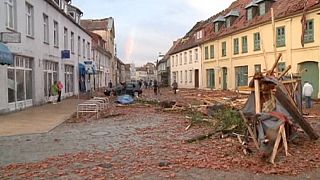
(229, 119)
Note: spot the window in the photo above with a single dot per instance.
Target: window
(281, 37)
(281, 66)
(68, 76)
(79, 46)
(185, 76)
(228, 22)
(72, 42)
(210, 78)
(56, 34)
(236, 46)
(57, 2)
(262, 8)
(45, 28)
(199, 34)
(172, 61)
(241, 74)
(216, 27)
(309, 33)
(211, 51)
(244, 44)
(181, 77)
(177, 59)
(65, 38)
(196, 55)
(190, 76)
(256, 38)
(185, 57)
(11, 14)
(249, 14)
(206, 52)
(88, 50)
(224, 49)
(180, 59)
(29, 20)
(84, 48)
(20, 79)
(190, 57)
(257, 68)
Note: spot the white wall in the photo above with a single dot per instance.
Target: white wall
(39, 51)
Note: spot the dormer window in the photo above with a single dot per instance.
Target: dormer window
(231, 17)
(264, 6)
(199, 34)
(57, 2)
(72, 14)
(218, 23)
(252, 10)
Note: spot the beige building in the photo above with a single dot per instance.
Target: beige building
(239, 42)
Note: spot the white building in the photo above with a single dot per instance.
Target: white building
(47, 28)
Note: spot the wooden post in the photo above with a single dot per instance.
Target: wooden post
(263, 50)
(284, 72)
(254, 137)
(275, 64)
(274, 36)
(257, 96)
(277, 143)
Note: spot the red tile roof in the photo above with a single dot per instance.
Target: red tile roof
(97, 24)
(282, 8)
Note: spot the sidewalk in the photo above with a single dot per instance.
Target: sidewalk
(40, 119)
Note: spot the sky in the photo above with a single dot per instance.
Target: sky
(145, 28)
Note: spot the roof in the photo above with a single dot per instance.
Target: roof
(95, 44)
(98, 24)
(233, 13)
(71, 7)
(282, 8)
(66, 16)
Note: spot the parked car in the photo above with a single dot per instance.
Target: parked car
(129, 88)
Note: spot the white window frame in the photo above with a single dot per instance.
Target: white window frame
(11, 14)
(29, 20)
(65, 38)
(196, 55)
(45, 28)
(190, 76)
(72, 42)
(55, 34)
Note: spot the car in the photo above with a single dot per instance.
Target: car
(131, 88)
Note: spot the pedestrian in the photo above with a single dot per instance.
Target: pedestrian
(54, 92)
(175, 86)
(307, 93)
(146, 84)
(155, 87)
(140, 83)
(150, 84)
(60, 87)
(110, 84)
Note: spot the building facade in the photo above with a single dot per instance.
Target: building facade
(241, 40)
(234, 53)
(52, 43)
(106, 29)
(102, 59)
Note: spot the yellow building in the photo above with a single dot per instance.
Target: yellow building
(242, 42)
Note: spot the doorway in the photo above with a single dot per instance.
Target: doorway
(196, 78)
(310, 72)
(225, 78)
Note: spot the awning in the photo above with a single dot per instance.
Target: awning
(6, 56)
(82, 69)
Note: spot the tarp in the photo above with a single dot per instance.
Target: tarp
(125, 99)
(6, 56)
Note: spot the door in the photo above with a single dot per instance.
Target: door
(310, 72)
(196, 78)
(224, 76)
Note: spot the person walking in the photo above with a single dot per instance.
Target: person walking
(155, 87)
(60, 87)
(110, 84)
(54, 92)
(307, 91)
(175, 86)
